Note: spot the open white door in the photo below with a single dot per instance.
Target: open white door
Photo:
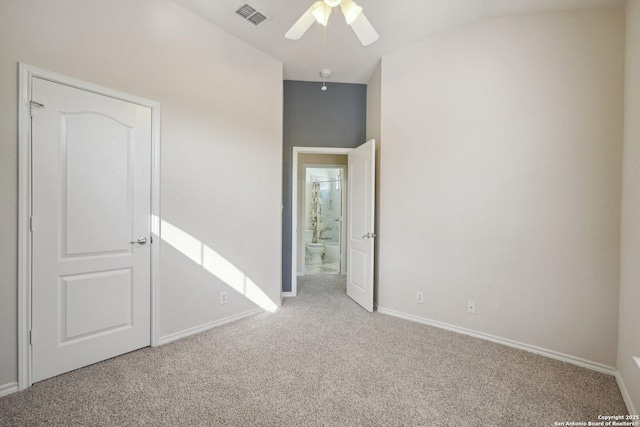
(91, 157)
(360, 223)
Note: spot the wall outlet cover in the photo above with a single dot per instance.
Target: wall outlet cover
(420, 297)
(223, 297)
(471, 307)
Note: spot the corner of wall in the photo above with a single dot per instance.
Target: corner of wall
(629, 318)
(374, 115)
(625, 394)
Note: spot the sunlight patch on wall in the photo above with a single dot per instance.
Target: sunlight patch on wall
(188, 245)
(214, 263)
(257, 295)
(220, 267)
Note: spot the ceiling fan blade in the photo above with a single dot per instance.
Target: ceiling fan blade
(302, 25)
(350, 10)
(364, 30)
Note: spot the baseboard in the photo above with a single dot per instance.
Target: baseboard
(288, 294)
(8, 388)
(609, 370)
(625, 394)
(197, 329)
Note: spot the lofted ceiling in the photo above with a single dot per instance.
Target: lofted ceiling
(399, 23)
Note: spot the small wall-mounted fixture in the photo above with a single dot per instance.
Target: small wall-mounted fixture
(325, 74)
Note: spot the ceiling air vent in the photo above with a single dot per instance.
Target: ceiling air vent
(249, 14)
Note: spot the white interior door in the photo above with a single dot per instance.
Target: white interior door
(360, 224)
(91, 177)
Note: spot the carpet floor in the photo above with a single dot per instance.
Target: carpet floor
(320, 360)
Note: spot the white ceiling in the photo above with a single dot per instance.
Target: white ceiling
(398, 22)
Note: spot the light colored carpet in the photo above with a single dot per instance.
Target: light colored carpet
(320, 360)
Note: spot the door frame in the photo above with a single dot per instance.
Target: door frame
(294, 208)
(26, 73)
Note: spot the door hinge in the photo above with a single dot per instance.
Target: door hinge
(151, 239)
(31, 224)
(31, 337)
(34, 104)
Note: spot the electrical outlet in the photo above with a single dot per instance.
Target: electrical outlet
(419, 297)
(223, 297)
(471, 307)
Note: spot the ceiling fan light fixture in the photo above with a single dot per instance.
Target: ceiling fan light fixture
(332, 3)
(321, 12)
(350, 10)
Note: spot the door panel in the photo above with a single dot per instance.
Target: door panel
(98, 210)
(359, 173)
(360, 220)
(83, 295)
(91, 177)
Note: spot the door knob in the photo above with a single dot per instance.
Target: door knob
(141, 241)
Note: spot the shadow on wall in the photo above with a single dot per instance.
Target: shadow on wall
(214, 263)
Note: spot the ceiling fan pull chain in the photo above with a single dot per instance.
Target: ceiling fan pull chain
(324, 58)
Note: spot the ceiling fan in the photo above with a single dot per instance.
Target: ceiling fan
(320, 12)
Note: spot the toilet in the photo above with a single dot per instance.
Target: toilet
(313, 251)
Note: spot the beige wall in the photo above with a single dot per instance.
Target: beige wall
(221, 142)
(501, 179)
(374, 111)
(310, 159)
(629, 324)
(374, 104)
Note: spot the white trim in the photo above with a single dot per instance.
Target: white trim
(26, 74)
(288, 294)
(294, 204)
(321, 150)
(599, 367)
(24, 241)
(197, 329)
(155, 213)
(8, 388)
(625, 394)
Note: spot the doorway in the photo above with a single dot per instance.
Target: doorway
(358, 256)
(89, 179)
(303, 158)
(323, 209)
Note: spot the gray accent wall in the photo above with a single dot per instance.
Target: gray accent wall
(315, 118)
